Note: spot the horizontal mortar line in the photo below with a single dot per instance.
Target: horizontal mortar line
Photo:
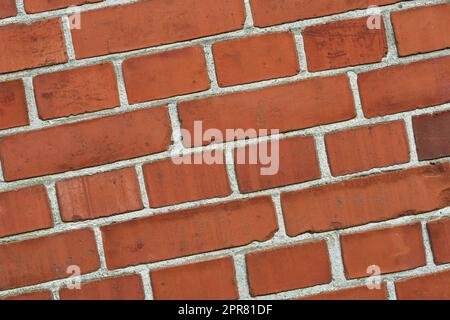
(207, 40)
(319, 130)
(255, 246)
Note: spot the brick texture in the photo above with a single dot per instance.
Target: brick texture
(429, 287)
(392, 249)
(8, 8)
(13, 105)
(413, 29)
(439, 232)
(33, 6)
(207, 280)
(76, 91)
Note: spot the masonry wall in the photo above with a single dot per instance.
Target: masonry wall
(91, 114)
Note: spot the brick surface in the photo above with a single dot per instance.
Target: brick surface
(368, 199)
(33, 6)
(439, 233)
(422, 29)
(24, 210)
(166, 74)
(13, 105)
(114, 29)
(119, 288)
(206, 280)
(287, 107)
(303, 265)
(192, 231)
(100, 195)
(8, 8)
(47, 258)
(376, 146)
(272, 12)
(343, 43)
(391, 249)
(432, 135)
(429, 287)
(255, 58)
(406, 87)
(358, 293)
(85, 144)
(171, 183)
(296, 162)
(35, 45)
(76, 91)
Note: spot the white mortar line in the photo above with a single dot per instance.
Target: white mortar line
(427, 245)
(249, 16)
(337, 264)
(123, 97)
(55, 293)
(65, 25)
(231, 170)
(322, 156)
(414, 158)
(301, 53)
(20, 8)
(392, 54)
(353, 78)
(240, 266)
(281, 233)
(147, 284)
(209, 58)
(51, 192)
(391, 290)
(31, 102)
(101, 252)
(142, 187)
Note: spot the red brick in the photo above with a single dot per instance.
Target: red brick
(33, 45)
(169, 183)
(439, 232)
(391, 249)
(33, 6)
(13, 105)
(286, 107)
(357, 293)
(376, 146)
(288, 268)
(405, 87)
(119, 288)
(368, 199)
(111, 30)
(100, 195)
(206, 280)
(255, 58)
(85, 144)
(76, 91)
(343, 43)
(43, 259)
(166, 74)
(422, 29)
(432, 133)
(434, 286)
(296, 162)
(7, 8)
(190, 232)
(24, 210)
(271, 12)
(36, 295)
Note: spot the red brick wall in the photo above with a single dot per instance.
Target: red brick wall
(91, 113)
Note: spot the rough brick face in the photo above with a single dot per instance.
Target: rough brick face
(166, 74)
(344, 43)
(24, 210)
(422, 30)
(358, 293)
(206, 280)
(432, 135)
(170, 183)
(370, 147)
(303, 265)
(391, 249)
(13, 105)
(119, 288)
(33, 6)
(76, 91)
(43, 259)
(429, 287)
(439, 232)
(30, 46)
(405, 87)
(255, 58)
(115, 29)
(192, 231)
(368, 199)
(297, 163)
(8, 8)
(271, 12)
(288, 107)
(100, 195)
(85, 144)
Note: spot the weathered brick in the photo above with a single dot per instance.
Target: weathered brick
(13, 105)
(439, 232)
